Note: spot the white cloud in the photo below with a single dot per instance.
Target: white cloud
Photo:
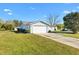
(66, 11)
(9, 13)
(7, 10)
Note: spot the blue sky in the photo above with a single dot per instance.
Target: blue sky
(36, 11)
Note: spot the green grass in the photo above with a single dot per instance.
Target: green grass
(67, 34)
(71, 35)
(30, 44)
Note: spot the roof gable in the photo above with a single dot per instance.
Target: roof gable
(39, 22)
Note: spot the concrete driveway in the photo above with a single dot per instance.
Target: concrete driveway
(59, 38)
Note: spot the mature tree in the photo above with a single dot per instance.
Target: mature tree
(71, 21)
(7, 27)
(52, 21)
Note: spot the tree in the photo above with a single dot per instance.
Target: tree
(52, 21)
(71, 21)
(20, 23)
(7, 27)
(60, 26)
(17, 23)
(1, 23)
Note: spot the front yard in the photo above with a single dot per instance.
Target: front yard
(71, 35)
(30, 44)
(67, 34)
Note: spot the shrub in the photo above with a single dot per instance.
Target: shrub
(49, 31)
(27, 31)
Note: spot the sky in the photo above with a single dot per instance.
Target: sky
(36, 11)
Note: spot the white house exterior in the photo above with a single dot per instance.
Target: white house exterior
(40, 27)
(37, 27)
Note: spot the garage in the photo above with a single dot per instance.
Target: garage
(39, 28)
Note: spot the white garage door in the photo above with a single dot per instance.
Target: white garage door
(39, 29)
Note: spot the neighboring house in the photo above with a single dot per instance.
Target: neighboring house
(39, 27)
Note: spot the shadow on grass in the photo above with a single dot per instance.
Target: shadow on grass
(20, 32)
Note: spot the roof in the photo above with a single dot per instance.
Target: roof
(39, 21)
(30, 23)
(43, 23)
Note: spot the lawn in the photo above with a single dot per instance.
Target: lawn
(71, 35)
(29, 44)
(67, 34)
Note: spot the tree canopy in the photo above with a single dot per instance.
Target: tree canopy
(71, 21)
(9, 24)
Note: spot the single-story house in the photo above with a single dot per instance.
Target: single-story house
(39, 27)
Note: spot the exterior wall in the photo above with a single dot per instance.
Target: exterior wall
(31, 31)
(49, 28)
(52, 29)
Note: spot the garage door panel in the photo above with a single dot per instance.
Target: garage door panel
(39, 29)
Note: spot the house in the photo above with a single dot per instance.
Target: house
(39, 27)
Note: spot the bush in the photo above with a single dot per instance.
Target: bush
(27, 31)
(49, 31)
(64, 30)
